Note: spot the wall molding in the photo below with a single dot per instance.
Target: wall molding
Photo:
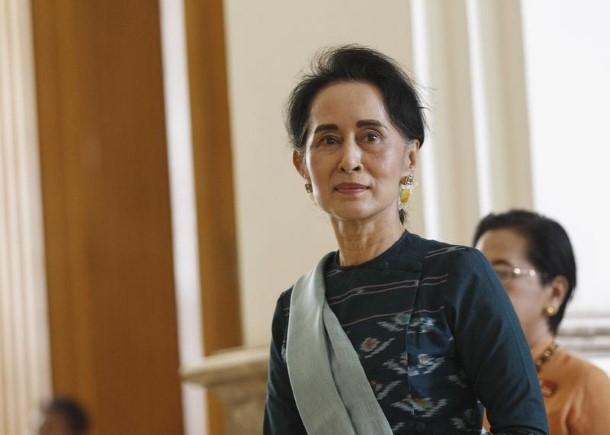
(586, 334)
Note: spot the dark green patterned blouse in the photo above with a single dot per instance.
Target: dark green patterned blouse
(436, 336)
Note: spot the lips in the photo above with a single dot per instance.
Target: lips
(350, 188)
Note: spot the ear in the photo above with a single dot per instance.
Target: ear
(559, 290)
(298, 160)
(411, 156)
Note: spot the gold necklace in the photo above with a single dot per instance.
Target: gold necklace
(546, 355)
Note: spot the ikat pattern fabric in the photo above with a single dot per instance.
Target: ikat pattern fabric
(404, 349)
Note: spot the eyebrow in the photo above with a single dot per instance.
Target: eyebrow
(502, 262)
(362, 123)
(326, 127)
(368, 122)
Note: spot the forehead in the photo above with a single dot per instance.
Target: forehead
(56, 423)
(503, 244)
(348, 101)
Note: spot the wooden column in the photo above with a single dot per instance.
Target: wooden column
(213, 182)
(106, 212)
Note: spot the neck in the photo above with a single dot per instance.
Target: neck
(539, 343)
(359, 243)
(545, 355)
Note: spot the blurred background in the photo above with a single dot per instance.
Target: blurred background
(150, 214)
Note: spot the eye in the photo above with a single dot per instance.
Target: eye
(504, 274)
(328, 140)
(372, 137)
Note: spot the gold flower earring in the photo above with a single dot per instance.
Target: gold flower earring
(309, 190)
(406, 187)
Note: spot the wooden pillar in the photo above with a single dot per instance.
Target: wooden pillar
(106, 212)
(213, 182)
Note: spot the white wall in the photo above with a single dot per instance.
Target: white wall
(568, 70)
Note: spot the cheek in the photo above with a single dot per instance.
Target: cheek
(525, 301)
(520, 307)
(317, 172)
(389, 165)
(311, 165)
(317, 159)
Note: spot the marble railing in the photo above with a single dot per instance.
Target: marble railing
(238, 377)
(587, 336)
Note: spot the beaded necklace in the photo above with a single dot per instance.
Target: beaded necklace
(546, 355)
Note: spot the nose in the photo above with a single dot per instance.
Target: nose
(351, 157)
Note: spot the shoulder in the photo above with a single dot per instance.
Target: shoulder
(453, 257)
(464, 275)
(586, 393)
(285, 298)
(283, 302)
(582, 371)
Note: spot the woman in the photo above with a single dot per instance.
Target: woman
(392, 333)
(63, 416)
(532, 255)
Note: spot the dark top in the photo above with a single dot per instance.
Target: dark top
(436, 335)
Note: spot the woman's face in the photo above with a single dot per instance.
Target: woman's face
(506, 250)
(354, 157)
(55, 423)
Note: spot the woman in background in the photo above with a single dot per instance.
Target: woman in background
(64, 416)
(392, 333)
(533, 257)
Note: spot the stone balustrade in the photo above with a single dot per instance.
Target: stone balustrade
(238, 377)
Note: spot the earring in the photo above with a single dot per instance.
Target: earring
(550, 311)
(308, 188)
(406, 187)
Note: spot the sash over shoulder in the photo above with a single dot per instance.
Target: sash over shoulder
(331, 390)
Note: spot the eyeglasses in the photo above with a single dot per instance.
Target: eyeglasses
(506, 273)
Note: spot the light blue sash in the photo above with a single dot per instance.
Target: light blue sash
(331, 390)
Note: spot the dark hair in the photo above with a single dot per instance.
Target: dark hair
(549, 248)
(354, 63)
(73, 412)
